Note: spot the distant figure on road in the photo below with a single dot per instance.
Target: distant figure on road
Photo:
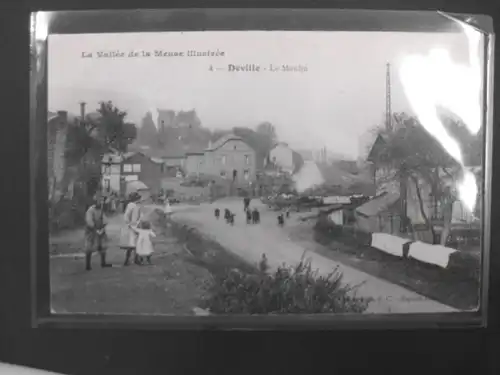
(246, 203)
(95, 233)
(144, 247)
(132, 217)
(249, 216)
(227, 213)
(168, 208)
(255, 216)
(287, 212)
(217, 213)
(231, 218)
(281, 220)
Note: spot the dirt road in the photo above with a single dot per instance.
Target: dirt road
(251, 241)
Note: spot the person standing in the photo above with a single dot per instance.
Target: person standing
(95, 233)
(168, 209)
(132, 217)
(246, 203)
(144, 246)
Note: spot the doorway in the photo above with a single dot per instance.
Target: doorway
(235, 174)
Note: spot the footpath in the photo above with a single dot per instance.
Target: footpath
(249, 242)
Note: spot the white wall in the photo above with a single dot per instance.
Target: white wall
(114, 182)
(308, 176)
(195, 164)
(337, 217)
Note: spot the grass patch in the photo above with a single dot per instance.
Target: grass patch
(208, 253)
(454, 286)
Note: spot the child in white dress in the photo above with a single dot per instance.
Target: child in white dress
(144, 245)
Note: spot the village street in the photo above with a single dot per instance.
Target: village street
(250, 241)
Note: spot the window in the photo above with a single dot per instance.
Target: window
(246, 174)
(436, 208)
(247, 159)
(136, 168)
(127, 168)
(107, 185)
(224, 160)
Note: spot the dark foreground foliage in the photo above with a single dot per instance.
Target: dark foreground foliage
(298, 290)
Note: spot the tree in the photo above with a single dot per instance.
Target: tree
(89, 138)
(113, 131)
(267, 129)
(418, 158)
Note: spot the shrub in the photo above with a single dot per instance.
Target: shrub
(66, 214)
(297, 290)
(466, 264)
(325, 232)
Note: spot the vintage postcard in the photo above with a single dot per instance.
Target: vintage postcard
(265, 172)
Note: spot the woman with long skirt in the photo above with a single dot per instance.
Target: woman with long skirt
(132, 218)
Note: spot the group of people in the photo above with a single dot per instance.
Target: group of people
(136, 234)
(252, 215)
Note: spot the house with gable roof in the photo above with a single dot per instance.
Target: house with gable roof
(397, 196)
(118, 169)
(229, 158)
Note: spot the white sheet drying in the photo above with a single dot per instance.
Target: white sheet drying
(388, 243)
(432, 254)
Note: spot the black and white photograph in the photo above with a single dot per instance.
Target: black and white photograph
(265, 172)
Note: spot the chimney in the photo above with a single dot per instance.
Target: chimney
(82, 110)
(161, 135)
(63, 115)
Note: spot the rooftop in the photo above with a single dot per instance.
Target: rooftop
(223, 140)
(379, 204)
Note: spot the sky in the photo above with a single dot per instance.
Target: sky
(333, 104)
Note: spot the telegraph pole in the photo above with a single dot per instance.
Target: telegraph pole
(388, 110)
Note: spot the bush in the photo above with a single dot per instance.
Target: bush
(288, 290)
(66, 214)
(466, 264)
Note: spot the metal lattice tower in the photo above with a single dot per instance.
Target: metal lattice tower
(388, 110)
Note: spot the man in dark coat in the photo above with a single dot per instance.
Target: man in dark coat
(249, 216)
(255, 216)
(246, 203)
(95, 233)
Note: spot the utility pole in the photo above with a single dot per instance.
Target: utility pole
(388, 110)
